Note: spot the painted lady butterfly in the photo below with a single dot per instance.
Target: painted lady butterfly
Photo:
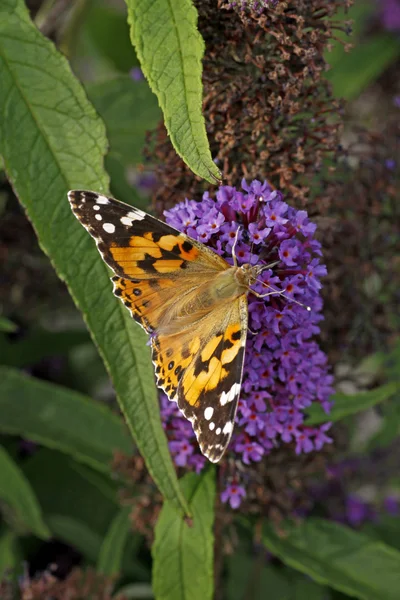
(189, 299)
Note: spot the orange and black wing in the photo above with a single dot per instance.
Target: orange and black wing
(138, 246)
(201, 370)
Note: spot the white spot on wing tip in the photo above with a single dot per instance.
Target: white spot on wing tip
(98, 217)
(211, 426)
(102, 200)
(109, 227)
(228, 428)
(208, 413)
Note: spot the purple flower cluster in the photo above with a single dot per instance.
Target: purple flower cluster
(390, 14)
(285, 370)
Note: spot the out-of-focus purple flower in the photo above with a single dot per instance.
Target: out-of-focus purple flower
(320, 438)
(396, 101)
(357, 511)
(285, 371)
(391, 505)
(233, 494)
(181, 451)
(137, 74)
(390, 14)
(390, 164)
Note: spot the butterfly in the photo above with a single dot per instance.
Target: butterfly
(190, 300)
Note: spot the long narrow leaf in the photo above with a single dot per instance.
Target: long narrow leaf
(346, 404)
(18, 498)
(59, 418)
(183, 553)
(8, 552)
(337, 556)
(113, 546)
(51, 139)
(170, 50)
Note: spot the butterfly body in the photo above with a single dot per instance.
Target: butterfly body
(190, 300)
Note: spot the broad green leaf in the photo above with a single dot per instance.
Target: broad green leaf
(135, 591)
(337, 556)
(121, 188)
(346, 405)
(365, 63)
(7, 326)
(113, 546)
(76, 533)
(259, 579)
(170, 50)
(19, 500)
(183, 552)
(254, 578)
(8, 552)
(59, 418)
(108, 29)
(128, 109)
(52, 140)
(385, 529)
(78, 510)
(38, 344)
(390, 425)
(359, 15)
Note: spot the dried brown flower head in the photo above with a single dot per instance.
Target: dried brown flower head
(138, 490)
(269, 110)
(78, 585)
(360, 239)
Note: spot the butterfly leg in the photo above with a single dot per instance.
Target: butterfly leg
(234, 246)
(279, 293)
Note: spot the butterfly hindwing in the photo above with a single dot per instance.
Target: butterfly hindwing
(202, 371)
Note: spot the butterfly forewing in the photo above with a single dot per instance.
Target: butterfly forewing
(160, 271)
(136, 245)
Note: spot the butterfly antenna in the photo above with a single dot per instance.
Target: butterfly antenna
(234, 246)
(280, 293)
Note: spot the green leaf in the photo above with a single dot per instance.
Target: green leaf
(108, 29)
(170, 50)
(78, 508)
(362, 65)
(128, 109)
(19, 499)
(337, 556)
(346, 405)
(390, 426)
(76, 533)
(52, 140)
(59, 418)
(39, 344)
(183, 552)
(359, 15)
(8, 552)
(113, 546)
(135, 591)
(258, 579)
(7, 326)
(386, 529)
